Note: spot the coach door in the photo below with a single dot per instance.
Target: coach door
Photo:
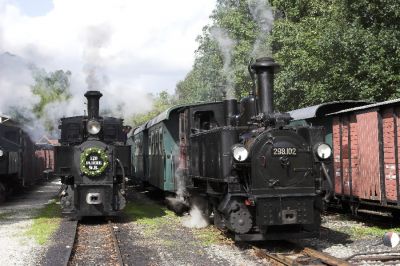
(168, 149)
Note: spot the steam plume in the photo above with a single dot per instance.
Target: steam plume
(226, 46)
(262, 13)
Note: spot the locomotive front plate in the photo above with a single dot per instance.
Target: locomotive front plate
(284, 151)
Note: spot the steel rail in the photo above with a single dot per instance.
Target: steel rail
(116, 245)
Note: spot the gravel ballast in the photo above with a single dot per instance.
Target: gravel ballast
(16, 216)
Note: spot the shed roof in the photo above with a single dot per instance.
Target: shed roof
(324, 109)
(364, 107)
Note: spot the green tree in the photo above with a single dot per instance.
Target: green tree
(336, 50)
(206, 80)
(161, 102)
(50, 87)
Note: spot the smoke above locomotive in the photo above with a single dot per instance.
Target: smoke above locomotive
(92, 161)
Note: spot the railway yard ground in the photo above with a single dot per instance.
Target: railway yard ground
(149, 234)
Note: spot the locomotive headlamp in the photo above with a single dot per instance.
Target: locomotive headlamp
(93, 127)
(324, 151)
(239, 152)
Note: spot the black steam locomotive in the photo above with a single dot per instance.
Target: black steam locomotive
(259, 176)
(92, 161)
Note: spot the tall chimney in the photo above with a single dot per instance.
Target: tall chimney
(93, 98)
(265, 68)
(230, 109)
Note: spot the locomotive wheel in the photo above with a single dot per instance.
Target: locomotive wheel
(240, 221)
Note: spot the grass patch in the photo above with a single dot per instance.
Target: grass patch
(4, 215)
(151, 215)
(45, 223)
(209, 236)
(358, 231)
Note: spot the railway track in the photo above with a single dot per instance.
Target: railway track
(301, 256)
(95, 243)
(309, 256)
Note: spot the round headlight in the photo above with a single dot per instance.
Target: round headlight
(1, 153)
(239, 152)
(324, 151)
(93, 127)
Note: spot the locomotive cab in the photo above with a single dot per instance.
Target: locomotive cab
(92, 162)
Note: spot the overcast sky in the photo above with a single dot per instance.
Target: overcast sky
(131, 46)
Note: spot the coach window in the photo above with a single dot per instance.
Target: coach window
(161, 141)
(151, 142)
(137, 147)
(156, 143)
(204, 120)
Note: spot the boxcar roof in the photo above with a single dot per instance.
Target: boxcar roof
(364, 107)
(324, 109)
(166, 114)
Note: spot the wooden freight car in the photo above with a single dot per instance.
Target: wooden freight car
(366, 156)
(317, 115)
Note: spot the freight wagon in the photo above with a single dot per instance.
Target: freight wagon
(366, 156)
(365, 163)
(22, 163)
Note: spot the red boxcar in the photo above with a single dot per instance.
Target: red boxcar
(366, 155)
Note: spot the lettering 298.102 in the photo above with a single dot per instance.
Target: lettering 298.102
(287, 151)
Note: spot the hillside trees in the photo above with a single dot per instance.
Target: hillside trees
(329, 50)
(336, 50)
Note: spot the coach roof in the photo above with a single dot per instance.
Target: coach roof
(324, 109)
(166, 114)
(364, 107)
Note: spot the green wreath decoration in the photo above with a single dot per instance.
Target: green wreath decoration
(90, 165)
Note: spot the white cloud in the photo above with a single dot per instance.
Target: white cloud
(148, 47)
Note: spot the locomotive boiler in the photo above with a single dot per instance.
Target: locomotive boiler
(92, 161)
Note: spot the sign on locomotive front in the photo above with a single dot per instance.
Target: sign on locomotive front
(94, 161)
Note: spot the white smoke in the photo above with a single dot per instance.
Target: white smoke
(97, 38)
(17, 99)
(226, 46)
(195, 219)
(117, 47)
(262, 13)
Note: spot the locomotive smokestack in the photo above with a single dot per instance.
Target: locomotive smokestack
(265, 68)
(93, 98)
(231, 109)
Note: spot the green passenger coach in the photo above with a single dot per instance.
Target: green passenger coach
(155, 150)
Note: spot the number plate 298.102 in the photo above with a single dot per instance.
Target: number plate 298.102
(284, 151)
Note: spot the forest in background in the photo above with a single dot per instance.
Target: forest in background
(328, 50)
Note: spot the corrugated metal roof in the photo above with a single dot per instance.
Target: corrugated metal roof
(323, 109)
(389, 102)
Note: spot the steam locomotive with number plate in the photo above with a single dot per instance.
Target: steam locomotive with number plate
(92, 162)
(244, 164)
